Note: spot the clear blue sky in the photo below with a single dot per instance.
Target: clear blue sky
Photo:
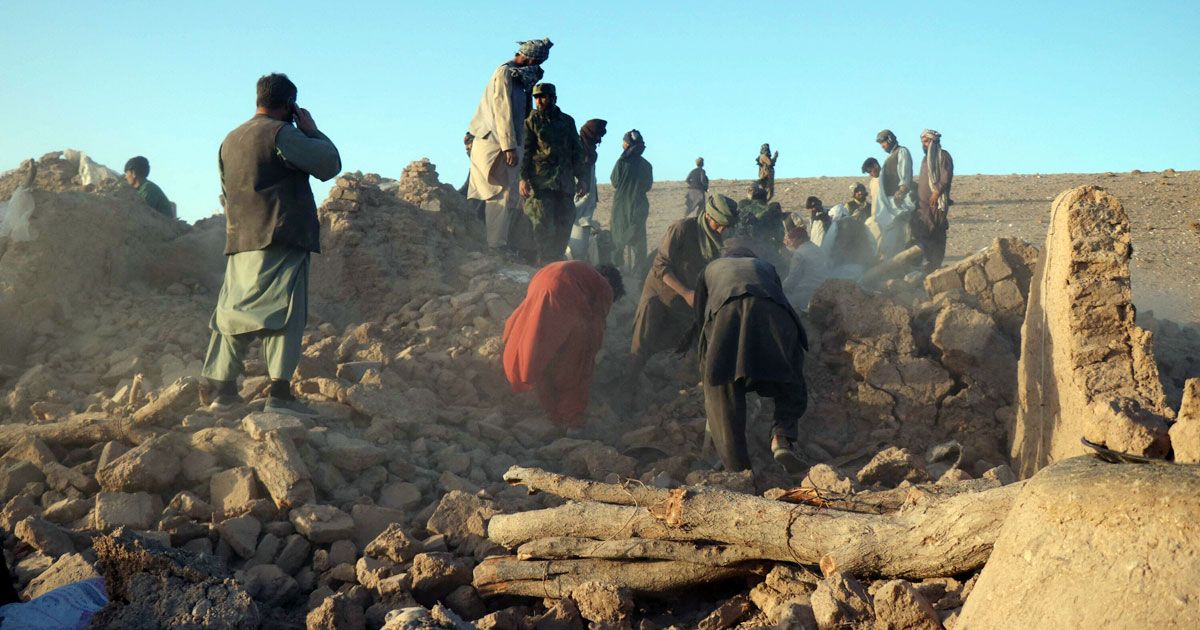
(1013, 86)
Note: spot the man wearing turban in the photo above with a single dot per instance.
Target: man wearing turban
(498, 134)
(930, 223)
(632, 178)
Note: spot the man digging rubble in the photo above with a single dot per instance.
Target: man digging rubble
(498, 130)
(552, 338)
(750, 340)
(271, 231)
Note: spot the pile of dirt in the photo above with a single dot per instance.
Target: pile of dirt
(376, 512)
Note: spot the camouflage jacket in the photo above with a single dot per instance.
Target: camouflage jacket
(554, 157)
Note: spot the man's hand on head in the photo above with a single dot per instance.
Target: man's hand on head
(305, 122)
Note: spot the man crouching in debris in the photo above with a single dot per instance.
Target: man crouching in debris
(271, 229)
(750, 341)
(551, 340)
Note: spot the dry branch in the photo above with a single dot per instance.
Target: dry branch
(77, 430)
(557, 578)
(563, 548)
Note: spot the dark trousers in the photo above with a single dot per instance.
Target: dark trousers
(725, 406)
(553, 232)
(932, 240)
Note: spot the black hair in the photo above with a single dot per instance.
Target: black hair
(275, 90)
(758, 193)
(869, 163)
(740, 251)
(615, 281)
(139, 165)
(812, 202)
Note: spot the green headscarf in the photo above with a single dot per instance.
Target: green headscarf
(723, 211)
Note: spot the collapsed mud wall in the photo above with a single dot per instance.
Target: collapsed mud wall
(1086, 369)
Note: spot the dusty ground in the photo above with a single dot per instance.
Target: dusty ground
(1163, 207)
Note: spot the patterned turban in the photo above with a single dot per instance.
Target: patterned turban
(931, 134)
(536, 49)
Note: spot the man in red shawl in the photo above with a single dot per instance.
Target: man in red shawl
(551, 340)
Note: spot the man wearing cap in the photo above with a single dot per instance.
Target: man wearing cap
(697, 183)
(759, 226)
(632, 178)
(498, 129)
(664, 313)
(750, 340)
(553, 172)
(930, 223)
(896, 172)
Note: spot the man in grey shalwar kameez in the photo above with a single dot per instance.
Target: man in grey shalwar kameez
(498, 129)
(271, 229)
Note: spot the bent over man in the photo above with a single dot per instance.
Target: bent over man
(271, 229)
(551, 340)
(750, 341)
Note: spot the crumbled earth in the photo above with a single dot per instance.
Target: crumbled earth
(375, 514)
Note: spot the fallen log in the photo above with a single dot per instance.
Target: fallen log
(275, 461)
(77, 430)
(506, 575)
(897, 265)
(931, 539)
(567, 547)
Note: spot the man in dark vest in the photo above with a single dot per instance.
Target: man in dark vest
(271, 229)
(896, 179)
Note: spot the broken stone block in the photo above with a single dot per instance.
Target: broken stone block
(595, 460)
(840, 601)
(191, 506)
(322, 524)
(67, 510)
(602, 603)
(351, 454)
(1117, 541)
(68, 569)
(171, 404)
(122, 509)
(942, 280)
(436, 574)
(400, 495)
(44, 536)
(972, 345)
(460, 515)
(1185, 433)
(198, 466)
(234, 491)
(241, 534)
(727, 615)
(393, 544)
(15, 475)
(564, 615)
(370, 571)
(269, 584)
(151, 467)
(260, 423)
(891, 466)
(370, 521)
(898, 606)
(824, 477)
(294, 554)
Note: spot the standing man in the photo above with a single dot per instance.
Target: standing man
(896, 174)
(271, 230)
(475, 205)
(137, 169)
(759, 227)
(590, 136)
(751, 340)
(887, 224)
(930, 223)
(553, 173)
(498, 130)
(664, 311)
(859, 204)
(551, 340)
(697, 183)
(632, 178)
(766, 169)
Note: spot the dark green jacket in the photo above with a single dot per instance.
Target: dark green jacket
(554, 157)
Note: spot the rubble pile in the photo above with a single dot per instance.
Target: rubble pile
(384, 511)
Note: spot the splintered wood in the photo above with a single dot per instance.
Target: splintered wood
(655, 541)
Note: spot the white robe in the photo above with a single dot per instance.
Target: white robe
(498, 126)
(887, 223)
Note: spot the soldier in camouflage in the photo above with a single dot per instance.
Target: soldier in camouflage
(553, 172)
